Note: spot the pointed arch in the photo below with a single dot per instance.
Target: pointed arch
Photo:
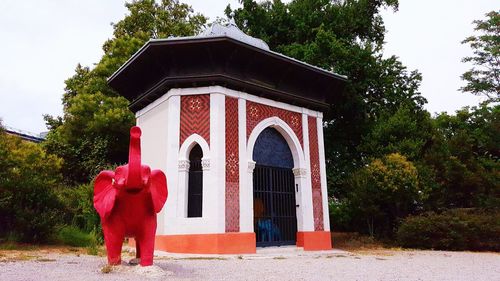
(298, 183)
(300, 170)
(189, 143)
(185, 172)
(287, 133)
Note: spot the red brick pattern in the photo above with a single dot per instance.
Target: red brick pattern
(315, 174)
(257, 112)
(195, 117)
(232, 167)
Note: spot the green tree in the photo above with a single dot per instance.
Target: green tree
(346, 37)
(383, 192)
(159, 19)
(93, 135)
(93, 132)
(29, 178)
(484, 77)
(406, 131)
(465, 158)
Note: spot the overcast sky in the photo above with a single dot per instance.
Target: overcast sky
(42, 41)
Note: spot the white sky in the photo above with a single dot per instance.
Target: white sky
(42, 41)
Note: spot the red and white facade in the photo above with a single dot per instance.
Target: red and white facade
(225, 123)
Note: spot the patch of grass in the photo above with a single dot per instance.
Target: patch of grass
(20, 257)
(12, 246)
(163, 258)
(353, 241)
(92, 250)
(45, 260)
(27, 257)
(95, 248)
(73, 236)
(279, 258)
(107, 269)
(336, 256)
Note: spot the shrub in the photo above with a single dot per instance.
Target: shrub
(29, 207)
(79, 209)
(80, 214)
(97, 239)
(456, 229)
(380, 194)
(73, 236)
(340, 214)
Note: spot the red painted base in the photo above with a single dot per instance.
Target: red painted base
(232, 243)
(223, 243)
(314, 240)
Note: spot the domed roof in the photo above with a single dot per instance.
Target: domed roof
(224, 55)
(231, 30)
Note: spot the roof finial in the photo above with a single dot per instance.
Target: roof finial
(230, 29)
(231, 20)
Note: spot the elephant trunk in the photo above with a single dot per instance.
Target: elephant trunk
(134, 159)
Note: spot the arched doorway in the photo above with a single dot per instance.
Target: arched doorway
(275, 220)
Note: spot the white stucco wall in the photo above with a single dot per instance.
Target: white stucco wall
(160, 123)
(154, 137)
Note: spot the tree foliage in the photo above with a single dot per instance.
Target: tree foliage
(158, 19)
(92, 136)
(29, 178)
(381, 192)
(465, 158)
(453, 157)
(346, 37)
(484, 77)
(407, 131)
(456, 158)
(78, 208)
(93, 132)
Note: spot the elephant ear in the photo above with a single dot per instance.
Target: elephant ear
(158, 189)
(104, 193)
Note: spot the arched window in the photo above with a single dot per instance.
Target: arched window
(195, 182)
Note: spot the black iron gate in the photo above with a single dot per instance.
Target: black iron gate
(275, 220)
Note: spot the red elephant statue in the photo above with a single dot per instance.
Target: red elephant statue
(127, 201)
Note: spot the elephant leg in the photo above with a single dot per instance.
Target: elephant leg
(147, 242)
(113, 238)
(137, 249)
(137, 259)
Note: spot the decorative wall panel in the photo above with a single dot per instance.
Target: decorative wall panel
(232, 167)
(257, 112)
(315, 174)
(195, 117)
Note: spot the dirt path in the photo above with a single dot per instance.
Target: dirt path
(330, 265)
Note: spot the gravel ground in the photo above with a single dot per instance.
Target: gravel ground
(276, 264)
